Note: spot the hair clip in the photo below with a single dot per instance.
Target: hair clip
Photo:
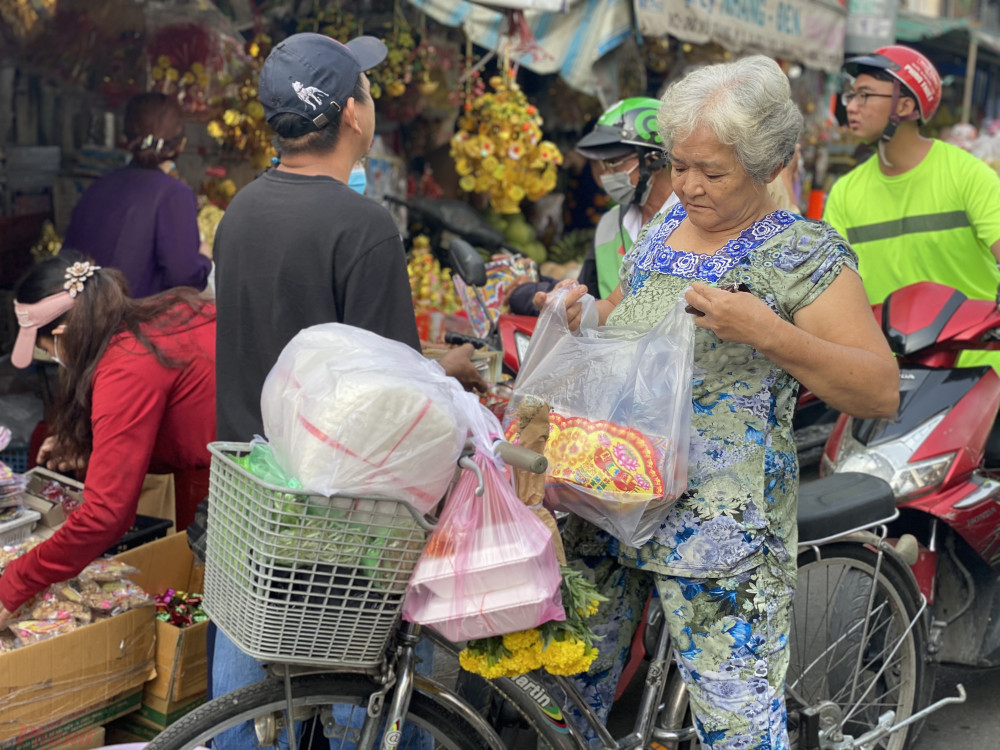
(150, 141)
(77, 275)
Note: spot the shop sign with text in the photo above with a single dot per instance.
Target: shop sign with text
(807, 31)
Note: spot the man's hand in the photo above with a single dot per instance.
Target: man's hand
(49, 457)
(457, 364)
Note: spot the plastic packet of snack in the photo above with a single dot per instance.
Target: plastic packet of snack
(13, 551)
(115, 597)
(7, 644)
(51, 605)
(35, 631)
(106, 570)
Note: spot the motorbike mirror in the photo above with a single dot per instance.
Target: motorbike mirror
(467, 262)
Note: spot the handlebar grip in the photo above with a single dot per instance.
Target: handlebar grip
(522, 458)
(451, 337)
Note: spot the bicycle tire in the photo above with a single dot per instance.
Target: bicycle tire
(826, 659)
(449, 730)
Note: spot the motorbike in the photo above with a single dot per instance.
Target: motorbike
(455, 229)
(941, 456)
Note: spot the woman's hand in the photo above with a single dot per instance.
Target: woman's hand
(4, 617)
(732, 316)
(574, 309)
(50, 457)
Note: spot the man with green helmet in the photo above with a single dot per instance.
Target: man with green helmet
(633, 170)
(628, 160)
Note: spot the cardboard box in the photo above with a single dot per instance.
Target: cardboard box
(181, 657)
(53, 515)
(160, 714)
(79, 731)
(44, 683)
(85, 739)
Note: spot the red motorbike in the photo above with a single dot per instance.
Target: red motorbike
(941, 456)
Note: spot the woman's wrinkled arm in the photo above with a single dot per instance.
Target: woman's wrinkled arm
(834, 348)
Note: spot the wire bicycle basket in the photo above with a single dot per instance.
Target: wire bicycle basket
(292, 576)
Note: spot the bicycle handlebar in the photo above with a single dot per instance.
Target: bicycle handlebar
(521, 458)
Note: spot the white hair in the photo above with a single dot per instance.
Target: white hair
(747, 104)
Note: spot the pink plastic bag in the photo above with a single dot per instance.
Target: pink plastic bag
(490, 566)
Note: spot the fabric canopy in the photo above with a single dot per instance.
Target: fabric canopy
(568, 43)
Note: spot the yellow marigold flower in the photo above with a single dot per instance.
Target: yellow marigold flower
(467, 183)
(567, 657)
(463, 167)
(522, 639)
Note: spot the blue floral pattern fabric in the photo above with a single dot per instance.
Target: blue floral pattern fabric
(730, 637)
(739, 508)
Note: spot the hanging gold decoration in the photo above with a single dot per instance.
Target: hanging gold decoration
(498, 147)
(241, 126)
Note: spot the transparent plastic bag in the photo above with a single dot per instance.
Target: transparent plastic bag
(619, 404)
(349, 412)
(490, 566)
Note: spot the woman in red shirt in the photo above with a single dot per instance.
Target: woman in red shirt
(138, 397)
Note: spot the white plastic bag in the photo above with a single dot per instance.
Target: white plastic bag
(620, 412)
(348, 411)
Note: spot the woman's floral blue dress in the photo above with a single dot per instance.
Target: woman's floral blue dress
(724, 557)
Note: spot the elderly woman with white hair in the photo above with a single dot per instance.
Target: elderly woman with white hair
(724, 559)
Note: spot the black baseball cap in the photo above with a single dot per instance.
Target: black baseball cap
(313, 76)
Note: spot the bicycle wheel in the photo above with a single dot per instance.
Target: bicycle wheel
(856, 644)
(264, 702)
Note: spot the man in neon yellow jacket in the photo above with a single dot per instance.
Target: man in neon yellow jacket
(920, 209)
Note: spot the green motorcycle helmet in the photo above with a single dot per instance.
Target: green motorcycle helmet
(624, 127)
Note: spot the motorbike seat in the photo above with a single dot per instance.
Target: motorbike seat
(840, 503)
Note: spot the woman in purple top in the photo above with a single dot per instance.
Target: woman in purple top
(138, 219)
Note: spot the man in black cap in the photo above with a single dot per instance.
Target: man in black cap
(298, 247)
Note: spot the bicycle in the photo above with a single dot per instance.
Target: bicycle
(334, 642)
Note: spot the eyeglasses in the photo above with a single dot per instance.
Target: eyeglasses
(862, 96)
(614, 166)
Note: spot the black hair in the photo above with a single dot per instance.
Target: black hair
(321, 141)
(154, 129)
(101, 310)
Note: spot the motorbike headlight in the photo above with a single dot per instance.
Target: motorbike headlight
(521, 341)
(891, 461)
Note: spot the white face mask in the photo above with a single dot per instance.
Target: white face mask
(619, 186)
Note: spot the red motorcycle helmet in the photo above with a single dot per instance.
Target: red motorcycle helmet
(910, 68)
